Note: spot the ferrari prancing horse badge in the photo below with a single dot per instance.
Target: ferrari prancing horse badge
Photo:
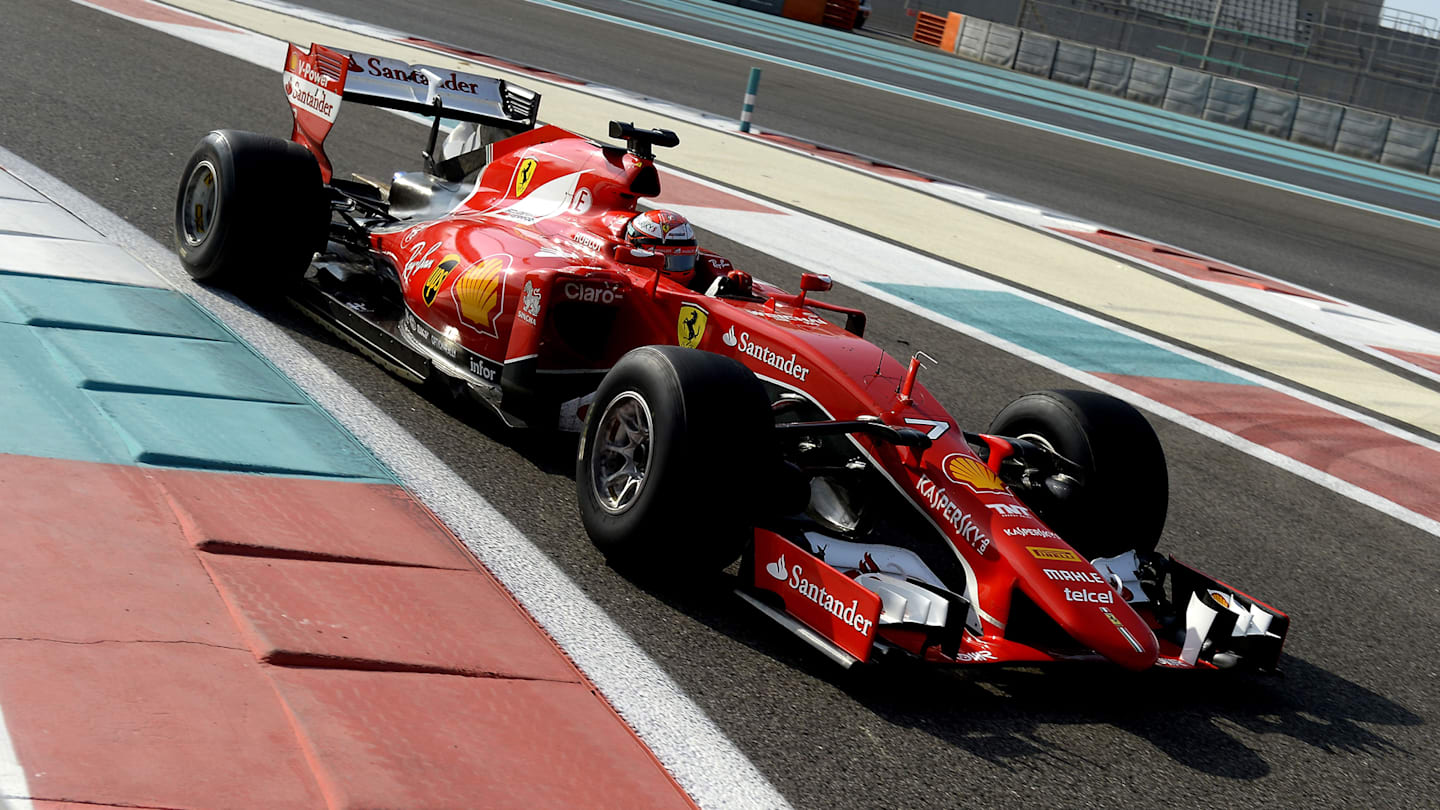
(692, 325)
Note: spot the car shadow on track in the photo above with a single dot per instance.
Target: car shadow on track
(1205, 721)
(1198, 719)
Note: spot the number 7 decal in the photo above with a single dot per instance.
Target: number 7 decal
(937, 427)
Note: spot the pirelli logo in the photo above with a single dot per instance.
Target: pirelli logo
(1044, 553)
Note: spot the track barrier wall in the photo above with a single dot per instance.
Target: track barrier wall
(1301, 119)
(930, 30)
(1148, 82)
(1362, 134)
(1110, 72)
(1409, 146)
(1273, 112)
(1317, 123)
(972, 38)
(1229, 102)
(1187, 92)
(1036, 55)
(1073, 64)
(1001, 46)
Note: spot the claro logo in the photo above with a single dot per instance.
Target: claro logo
(590, 294)
(849, 614)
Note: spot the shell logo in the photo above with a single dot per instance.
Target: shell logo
(480, 291)
(963, 469)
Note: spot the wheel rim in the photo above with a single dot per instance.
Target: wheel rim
(621, 459)
(201, 203)
(1038, 439)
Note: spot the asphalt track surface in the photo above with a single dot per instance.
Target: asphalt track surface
(113, 110)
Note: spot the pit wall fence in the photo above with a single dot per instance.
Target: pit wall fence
(1336, 127)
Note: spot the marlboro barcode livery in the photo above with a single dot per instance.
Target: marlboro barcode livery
(719, 417)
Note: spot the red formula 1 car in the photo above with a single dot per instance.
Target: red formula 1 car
(518, 266)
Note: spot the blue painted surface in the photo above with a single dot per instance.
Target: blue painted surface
(41, 412)
(1004, 84)
(112, 373)
(98, 306)
(105, 361)
(1065, 338)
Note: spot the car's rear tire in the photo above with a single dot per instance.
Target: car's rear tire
(251, 211)
(1125, 496)
(697, 431)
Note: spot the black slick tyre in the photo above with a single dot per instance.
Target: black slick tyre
(673, 463)
(250, 212)
(1125, 496)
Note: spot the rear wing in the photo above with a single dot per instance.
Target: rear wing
(317, 80)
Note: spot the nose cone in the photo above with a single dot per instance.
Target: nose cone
(1097, 617)
(1140, 648)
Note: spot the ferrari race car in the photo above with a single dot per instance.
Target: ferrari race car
(518, 267)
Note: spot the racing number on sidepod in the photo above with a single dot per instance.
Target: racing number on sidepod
(523, 175)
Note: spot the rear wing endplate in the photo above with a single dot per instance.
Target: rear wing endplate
(317, 80)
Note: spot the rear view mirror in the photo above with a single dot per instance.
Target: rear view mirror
(815, 282)
(812, 282)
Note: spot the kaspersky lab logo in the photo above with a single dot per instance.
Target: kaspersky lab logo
(849, 614)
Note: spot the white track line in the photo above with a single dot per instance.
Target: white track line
(699, 755)
(14, 789)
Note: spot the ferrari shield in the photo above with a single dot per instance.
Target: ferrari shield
(692, 325)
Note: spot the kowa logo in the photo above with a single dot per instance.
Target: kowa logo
(849, 614)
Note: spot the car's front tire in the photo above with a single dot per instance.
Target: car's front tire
(1125, 496)
(677, 448)
(250, 212)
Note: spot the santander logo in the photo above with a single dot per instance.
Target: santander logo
(850, 614)
(778, 570)
(791, 365)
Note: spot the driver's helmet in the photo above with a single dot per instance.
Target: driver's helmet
(668, 234)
